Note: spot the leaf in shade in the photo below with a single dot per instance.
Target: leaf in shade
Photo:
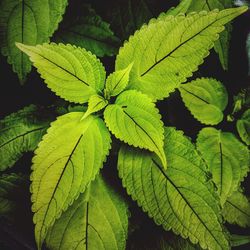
(243, 127)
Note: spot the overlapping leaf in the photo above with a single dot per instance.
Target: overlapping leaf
(21, 132)
(98, 219)
(68, 158)
(11, 191)
(169, 49)
(182, 7)
(243, 127)
(135, 120)
(87, 30)
(206, 99)
(29, 22)
(226, 157)
(180, 198)
(237, 209)
(222, 45)
(71, 72)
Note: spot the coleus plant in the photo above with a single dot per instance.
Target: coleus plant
(189, 189)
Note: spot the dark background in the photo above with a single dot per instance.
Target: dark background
(19, 233)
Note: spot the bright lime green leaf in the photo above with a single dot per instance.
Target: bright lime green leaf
(239, 240)
(98, 219)
(206, 99)
(28, 21)
(66, 161)
(237, 209)
(21, 132)
(168, 50)
(243, 127)
(135, 120)
(222, 45)
(11, 189)
(226, 157)
(182, 7)
(95, 103)
(117, 82)
(88, 31)
(180, 198)
(71, 72)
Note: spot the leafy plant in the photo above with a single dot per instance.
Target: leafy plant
(191, 189)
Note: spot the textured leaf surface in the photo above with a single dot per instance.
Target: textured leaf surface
(206, 99)
(180, 198)
(182, 7)
(243, 127)
(95, 104)
(68, 158)
(135, 120)
(222, 45)
(169, 49)
(11, 187)
(98, 219)
(239, 240)
(21, 132)
(71, 72)
(226, 157)
(30, 22)
(237, 209)
(89, 31)
(117, 82)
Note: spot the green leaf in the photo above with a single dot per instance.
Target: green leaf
(221, 46)
(239, 240)
(135, 120)
(29, 22)
(89, 31)
(11, 189)
(168, 50)
(226, 157)
(237, 209)
(98, 219)
(21, 132)
(117, 82)
(206, 99)
(180, 198)
(95, 104)
(182, 7)
(243, 127)
(71, 72)
(66, 161)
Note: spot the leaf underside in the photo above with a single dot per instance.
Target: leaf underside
(96, 220)
(180, 198)
(169, 49)
(226, 157)
(65, 162)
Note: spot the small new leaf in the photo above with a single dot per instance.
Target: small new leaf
(71, 72)
(117, 82)
(21, 132)
(65, 162)
(135, 120)
(206, 99)
(180, 198)
(169, 49)
(95, 104)
(243, 127)
(98, 219)
(237, 209)
(227, 159)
